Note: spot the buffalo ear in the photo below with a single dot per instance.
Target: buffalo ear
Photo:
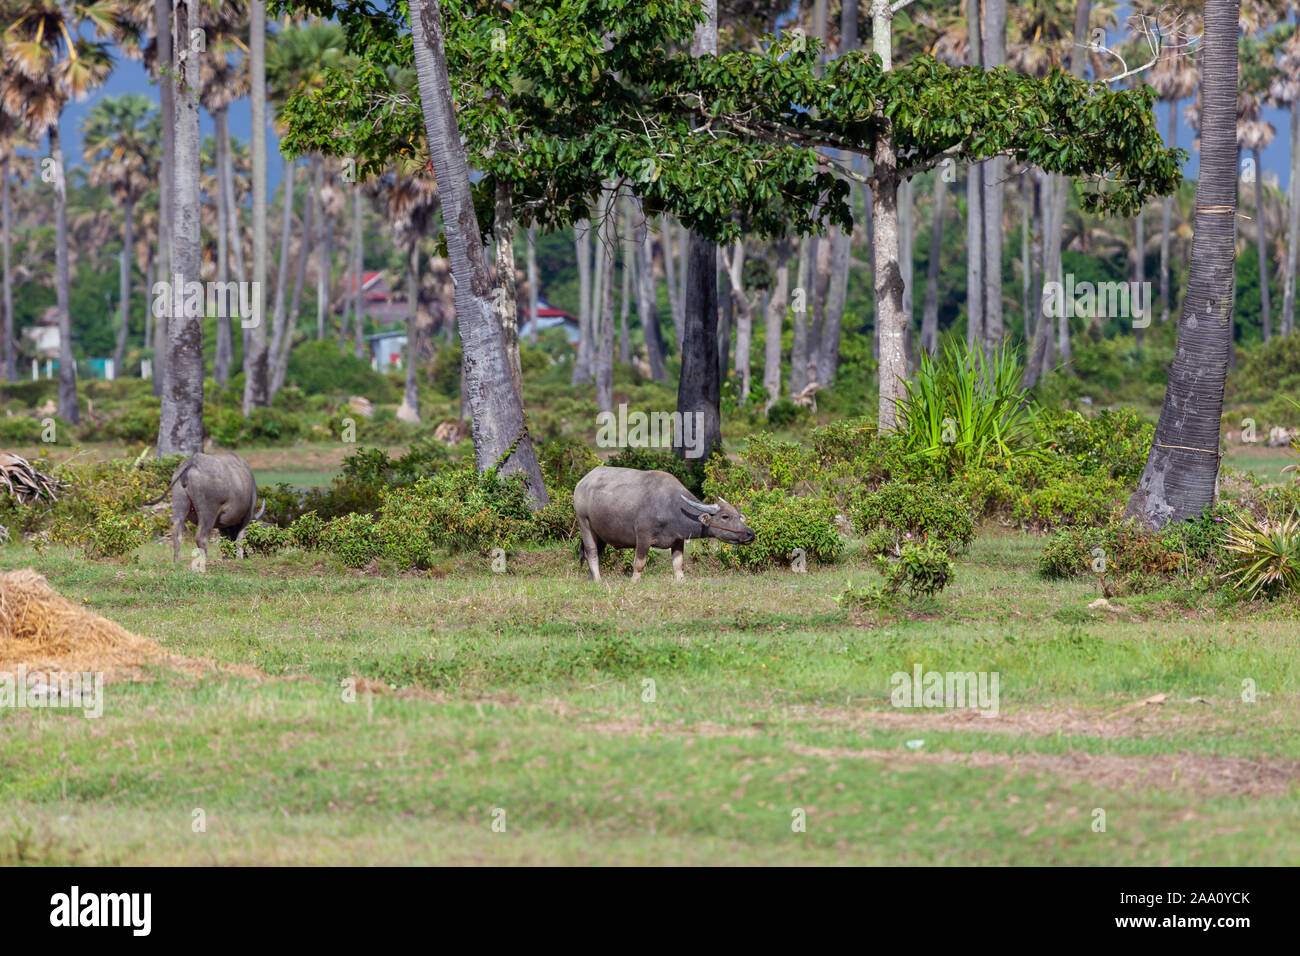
(705, 518)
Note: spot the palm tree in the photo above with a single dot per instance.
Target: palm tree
(256, 378)
(1182, 467)
(1284, 90)
(501, 438)
(120, 138)
(1174, 77)
(47, 60)
(1254, 134)
(180, 426)
(13, 137)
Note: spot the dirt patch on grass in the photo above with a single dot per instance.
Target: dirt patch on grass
(1185, 772)
(1141, 721)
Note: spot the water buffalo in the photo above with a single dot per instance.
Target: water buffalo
(629, 508)
(213, 491)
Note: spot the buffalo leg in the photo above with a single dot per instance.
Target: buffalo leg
(239, 543)
(178, 531)
(642, 556)
(203, 532)
(589, 548)
(679, 552)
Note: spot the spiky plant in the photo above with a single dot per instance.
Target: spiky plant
(1267, 554)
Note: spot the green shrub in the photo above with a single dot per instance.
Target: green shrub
(689, 473)
(556, 522)
(321, 367)
(352, 538)
(138, 423)
(924, 568)
(1070, 501)
(115, 534)
(1129, 554)
(1265, 555)
(1114, 443)
(564, 461)
(262, 538)
(903, 512)
(785, 413)
(307, 530)
(20, 430)
(782, 525)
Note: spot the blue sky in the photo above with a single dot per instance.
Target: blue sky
(129, 76)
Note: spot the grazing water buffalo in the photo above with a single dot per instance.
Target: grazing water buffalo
(213, 491)
(629, 508)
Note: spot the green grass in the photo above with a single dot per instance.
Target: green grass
(526, 692)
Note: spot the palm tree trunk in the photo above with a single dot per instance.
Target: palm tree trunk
(500, 430)
(930, 310)
(647, 304)
(281, 367)
(10, 369)
(166, 177)
(682, 253)
(994, 53)
(323, 263)
(802, 304)
(603, 317)
(124, 285)
(279, 319)
(1026, 269)
(358, 270)
(1139, 276)
(180, 428)
(410, 410)
(1293, 225)
(829, 353)
(624, 346)
(907, 246)
(225, 342)
(774, 324)
(256, 379)
(508, 305)
(670, 278)
(1182, 468)
(1166, 220)
(1261, 248)
(726, 315)
(68, 409)
(533, 292)
(582, 361)
(974, 207)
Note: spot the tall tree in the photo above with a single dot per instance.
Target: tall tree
(12, 137)
(180, 427)
(1182, 468)
(994, 53)
(1174, 77)
(501, 438)
(51, 53)
(257, 392)
(1284, 91)
(647, 305)
(699, 389)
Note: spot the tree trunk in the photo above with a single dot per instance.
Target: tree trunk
(10, 368)
(358, 267)
(1261, 249)
(281, 356)
(625, 242)
(829, 354)
(324, 264)
(1166, 218)
(775, 322)
(994, 52)
(500, 430)
(930, 310)
(891, 320)
(1139, 275)
(647, 305)
(279, 319)
(533, 293)
(603, 327)
(256, 378)
(744, 314)
(670, 278)
(1182, 468)
(124, 286)
(162, 10)
(906, 244)
(1293, 226)
(68, 408)
(503, 227)
(225, 343)
(180, 428)
(1026, 252)
(726, 315)
(410, 409)
(682, 253)
(801, 304)
(974, 206)
(582, 361)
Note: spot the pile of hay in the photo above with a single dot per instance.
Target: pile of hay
(43, 630)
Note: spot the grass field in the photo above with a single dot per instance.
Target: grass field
(658, 723)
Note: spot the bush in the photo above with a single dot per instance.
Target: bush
(920, 569)
(307, 530)
(138, 423)
(901, 513)
(1132, 555)
(352, 538)
(20, 430)
(262, 538)
(783, 525)
(785, 413)
(1265, 555)
(115, 534)
(556, 522)
(689, 473)
(321, 367)
(1070, 501)
(564, 461)
(1114, 443)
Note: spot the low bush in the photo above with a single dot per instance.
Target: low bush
(920, 569)
(902, 513)
(1265, 555)
(1113, 443)
(260, 538)
(783, 526)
